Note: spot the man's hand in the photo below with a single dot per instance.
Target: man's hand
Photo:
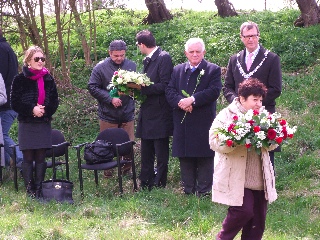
(116, 102)
(134, 85)
(185, 103)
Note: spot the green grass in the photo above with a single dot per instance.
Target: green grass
(167, 213)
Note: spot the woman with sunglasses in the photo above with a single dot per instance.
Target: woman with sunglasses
(34, 97)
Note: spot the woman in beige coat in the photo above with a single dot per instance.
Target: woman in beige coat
(242, 179)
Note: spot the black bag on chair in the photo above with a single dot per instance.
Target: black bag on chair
(57, 189)
(99, 151)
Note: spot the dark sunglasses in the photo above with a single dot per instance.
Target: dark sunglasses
(36, 59)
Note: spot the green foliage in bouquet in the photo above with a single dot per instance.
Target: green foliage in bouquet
(129, 83)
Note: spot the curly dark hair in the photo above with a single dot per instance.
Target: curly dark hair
(252, 86)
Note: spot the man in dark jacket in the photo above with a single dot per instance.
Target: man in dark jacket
(113, 112)
(154, 125)
(256, 62)
(8, 69)
(192, 93)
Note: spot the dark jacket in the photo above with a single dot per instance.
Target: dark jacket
(155, 116)
(24, 97)
(269, 73)
(8, 68)
(191, 137)
(99, 80)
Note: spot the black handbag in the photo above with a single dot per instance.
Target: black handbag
(57, 189)
(99, 151)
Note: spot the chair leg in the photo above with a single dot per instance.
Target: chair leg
(120, 178)
(81, 182)
(15, 176)
(1, 174)
(134, 176)
(96, 177)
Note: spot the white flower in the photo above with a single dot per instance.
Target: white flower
(261, 135)
(259, 144)
(248, 115)
(119, 80)
(202, 72)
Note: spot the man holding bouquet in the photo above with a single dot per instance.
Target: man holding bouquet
(113, 112)
(154, 125)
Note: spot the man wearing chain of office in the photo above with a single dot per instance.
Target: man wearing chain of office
(257, 62)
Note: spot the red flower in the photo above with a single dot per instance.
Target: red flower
(229, 143)
(256, 129)
(255, 112)
(231, 127)
(285, 133)
(283, 122)
(251, 122)
(235, 118)
(271, 134)
(248, 145)
(279, 140)
(290, 135)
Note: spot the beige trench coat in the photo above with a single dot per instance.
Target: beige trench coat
(230, 166)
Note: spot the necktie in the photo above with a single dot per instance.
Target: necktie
(193, 69)
(249, 61)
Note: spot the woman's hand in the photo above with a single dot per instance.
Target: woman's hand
(38, 110)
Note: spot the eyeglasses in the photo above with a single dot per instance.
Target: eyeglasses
(250, 36)
(36, 59)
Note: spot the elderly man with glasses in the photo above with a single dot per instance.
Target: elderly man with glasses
(254, 62)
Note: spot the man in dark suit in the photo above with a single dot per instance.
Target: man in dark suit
(257, 62)
(154, 125)
(192, 93)
(8, 69)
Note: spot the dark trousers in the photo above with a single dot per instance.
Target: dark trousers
(196, 174)
(271, 155)
(250, 217)
(151, 149)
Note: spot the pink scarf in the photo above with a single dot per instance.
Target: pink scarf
(38, 76)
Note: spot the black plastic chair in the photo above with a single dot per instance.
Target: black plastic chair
(122, 146)
(1, 167)
(60, 149)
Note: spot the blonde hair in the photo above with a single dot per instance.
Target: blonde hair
(29, 54)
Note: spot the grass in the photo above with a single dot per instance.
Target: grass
(167, 214)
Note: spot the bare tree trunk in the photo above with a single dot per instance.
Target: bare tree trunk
(157, 12)
(310, 13)
(32, 24)
(22, 31)
(94, 35)
(225, 8)
(44, 35)
(86, 49)
(65, 82)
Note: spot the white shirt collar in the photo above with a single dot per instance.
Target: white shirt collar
(255, 52)
(150, 54)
